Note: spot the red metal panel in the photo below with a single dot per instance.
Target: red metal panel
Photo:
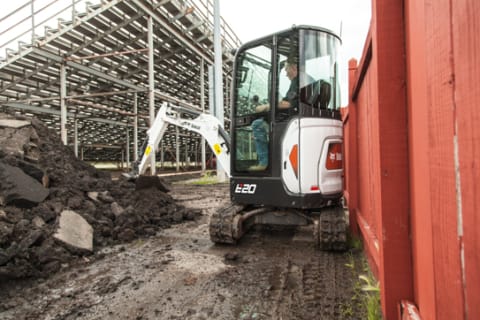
(440, 105)
(420, 200)
(466, 55)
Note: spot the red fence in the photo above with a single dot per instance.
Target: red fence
(412, 147)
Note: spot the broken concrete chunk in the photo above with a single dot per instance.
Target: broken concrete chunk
(38, 222)
(117, 209)
(105, 197)
(93, 195)
(19, 188)
(14, 123)
(13, 141)
(32, 170)
(74, 231)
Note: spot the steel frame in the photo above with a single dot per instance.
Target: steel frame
(109, 69)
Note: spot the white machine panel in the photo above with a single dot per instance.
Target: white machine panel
(314, 135)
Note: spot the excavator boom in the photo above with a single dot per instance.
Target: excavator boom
(204, 124)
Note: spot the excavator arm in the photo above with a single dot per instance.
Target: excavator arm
(204, 124)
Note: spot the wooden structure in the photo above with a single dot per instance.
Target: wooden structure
(412, 145)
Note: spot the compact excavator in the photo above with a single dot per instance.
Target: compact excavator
(286, 89)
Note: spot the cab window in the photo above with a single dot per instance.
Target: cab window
(252, 83)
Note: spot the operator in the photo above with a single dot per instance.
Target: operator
(260, 127)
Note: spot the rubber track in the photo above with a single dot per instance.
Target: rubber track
(332, 230)
(221, 224)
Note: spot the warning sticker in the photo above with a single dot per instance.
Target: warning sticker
(217, 148)
(148, 150)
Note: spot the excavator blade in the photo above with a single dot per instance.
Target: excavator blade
(130, 176)
(145, 182)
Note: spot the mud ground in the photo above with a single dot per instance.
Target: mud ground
(178, 273)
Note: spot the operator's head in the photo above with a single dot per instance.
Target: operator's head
(291, 67)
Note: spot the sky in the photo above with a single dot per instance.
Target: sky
(251, 19)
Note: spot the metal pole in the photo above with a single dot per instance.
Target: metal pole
(217, 45)
(162, 155)
(75, 138)
(135, 127)
(33, 22)
(73, 11)
(63, 104)
(151, 87)
(177, 149)
(127, 148)
(202, 105)
(186, 156)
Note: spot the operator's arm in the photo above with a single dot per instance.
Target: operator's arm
(283, 104)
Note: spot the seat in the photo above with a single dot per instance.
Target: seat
(316, 94)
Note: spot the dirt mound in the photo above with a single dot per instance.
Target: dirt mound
(40, 178)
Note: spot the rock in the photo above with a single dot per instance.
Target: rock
(126, 235)
(3, 215)
(74, 231)
(31, 239)
(105, 197)
(43, 213)
(14, 141)
(32, 153)
(93, 195)
(192, 214)
(38, 222)
(19, 188)
(6, 255)
(117, 209)
(33, 171)
(75, 202)
(14, 123)
(178, 216)
(231, 256)
(6, 229)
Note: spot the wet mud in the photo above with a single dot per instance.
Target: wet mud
(272, 273)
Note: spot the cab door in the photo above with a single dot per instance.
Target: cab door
(252, 110)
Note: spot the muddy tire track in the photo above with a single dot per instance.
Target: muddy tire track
(272, 273)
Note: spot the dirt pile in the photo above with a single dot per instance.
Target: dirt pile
(40, 179)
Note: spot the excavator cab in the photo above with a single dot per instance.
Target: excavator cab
(286, 137)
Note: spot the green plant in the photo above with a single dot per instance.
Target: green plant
(351, 262)
(354, 242)
(346, 310)
(208, 178)
(249, 313)
(371, 299)
(366, 291)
